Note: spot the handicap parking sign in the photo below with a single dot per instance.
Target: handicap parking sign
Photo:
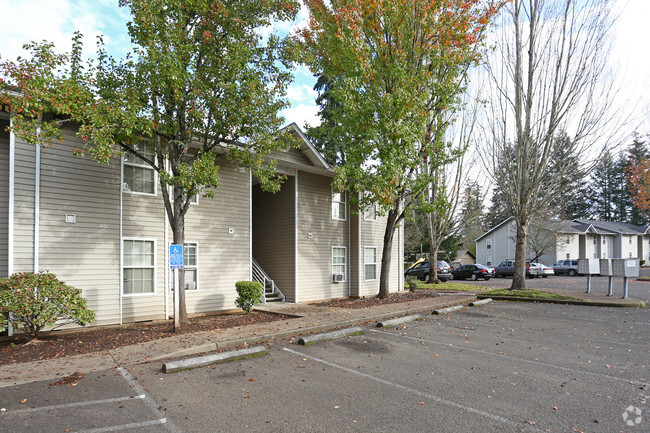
(176, 256)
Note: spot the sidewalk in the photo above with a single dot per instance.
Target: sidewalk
(310, 318)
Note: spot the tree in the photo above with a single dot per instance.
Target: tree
(200, 84)
(328, 137)
(548, 73)
(471, 225)
(607, 184)
(397, 68)
(637, 173)
(443, 197)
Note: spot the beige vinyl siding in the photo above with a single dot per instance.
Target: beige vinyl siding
(4, 196)
(24, 206)
(292, 155)
(143, 217)
(224, 258)
(84, 254)
(356, 253)
(372, 235)
(274, 234)
(315, 253)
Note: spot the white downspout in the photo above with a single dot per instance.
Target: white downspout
(359, 251)
(121, 247)
(10, 225)
(250, 225)
(166, 269)
(295, 237)
(37, 201)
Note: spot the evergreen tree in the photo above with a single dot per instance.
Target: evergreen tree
(605, 182)
(471, 226)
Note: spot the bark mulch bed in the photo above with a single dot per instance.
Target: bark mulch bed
(80, 341)
(372, 301)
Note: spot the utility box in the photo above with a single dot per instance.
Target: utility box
(606, 267)
(625, 267)
(588, 266)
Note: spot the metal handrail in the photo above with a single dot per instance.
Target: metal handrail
(261, 276)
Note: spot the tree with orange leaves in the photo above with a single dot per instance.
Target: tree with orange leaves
(397, 67)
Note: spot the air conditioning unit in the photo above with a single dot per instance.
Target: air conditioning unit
(337, 278)
(190, 285)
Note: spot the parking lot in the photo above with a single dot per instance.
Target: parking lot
(499, 367)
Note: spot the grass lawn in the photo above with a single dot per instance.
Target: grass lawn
(448, 286)
(527, 293)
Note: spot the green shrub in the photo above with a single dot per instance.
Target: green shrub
(39, 300)
(641, 262)
(250, 293)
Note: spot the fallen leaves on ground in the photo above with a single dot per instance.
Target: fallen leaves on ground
(373, 301)
(59, 344)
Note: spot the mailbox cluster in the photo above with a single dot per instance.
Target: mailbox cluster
(625, 268)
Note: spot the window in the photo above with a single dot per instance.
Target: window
(568, 255)
(604, 242)
(191, 265)
(488, 260)
(595, 255)
(338, 205)
(630, 254)
(370, 263)
(139, 260)
(139, 176)
(630, 240)
(488, 244)
(338, 262)
(370, 213)
(594, 239)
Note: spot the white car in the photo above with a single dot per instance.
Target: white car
(543, 270)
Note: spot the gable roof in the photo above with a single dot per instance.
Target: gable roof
(493, 228)
(307, 147)
(616, 227)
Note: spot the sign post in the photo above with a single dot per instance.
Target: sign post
(176, 263)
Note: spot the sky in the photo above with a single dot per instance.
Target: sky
(57, 20)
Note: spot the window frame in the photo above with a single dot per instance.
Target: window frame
(345, 262)
(139, 163)
(194, 267)
(154, 267)
(488, 260)
(488, 244)
(365, 264)
(343, 201)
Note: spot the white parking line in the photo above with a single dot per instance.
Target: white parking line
(77, 404)
(419, 393)
(148, 400)
(514, 358)
(125, 426)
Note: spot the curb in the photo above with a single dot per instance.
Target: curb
(448, 310)
(480, 302)
(398, 321)
(635, 304)
(174, 366)
(311, 339)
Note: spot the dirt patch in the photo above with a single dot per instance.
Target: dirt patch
(65, 343)
(373, 301)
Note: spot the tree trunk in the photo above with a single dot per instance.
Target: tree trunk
(177, 224)
(519, 276)
(391, 223)
(433, 250)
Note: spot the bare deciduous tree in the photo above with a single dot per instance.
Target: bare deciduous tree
(548, 73)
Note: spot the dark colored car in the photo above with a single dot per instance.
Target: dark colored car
(474, 272)
(569, 267)
(507, 269)
(422, 270)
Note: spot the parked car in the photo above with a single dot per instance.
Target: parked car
(569, 267)
(507, 269)
(544, 271)
(474, 272)
(421, 271)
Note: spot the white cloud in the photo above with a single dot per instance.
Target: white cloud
(302, 114)
(301, 92)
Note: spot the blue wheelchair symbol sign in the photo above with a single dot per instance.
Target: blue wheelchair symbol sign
(176, 256)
